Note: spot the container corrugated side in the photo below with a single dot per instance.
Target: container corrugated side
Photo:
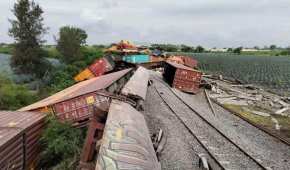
(98, 68)
(187, 80)
(78, 109)
(19, 144)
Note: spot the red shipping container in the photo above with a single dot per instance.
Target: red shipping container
(79, 108)
(98, 68)
(182, 77)
(101, 66)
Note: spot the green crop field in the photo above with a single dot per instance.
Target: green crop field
(271, 72)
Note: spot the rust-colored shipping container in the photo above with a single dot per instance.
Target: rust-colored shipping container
(19, 139)
(190, 62)
(72, 104)
(182, 77)
(77, 109)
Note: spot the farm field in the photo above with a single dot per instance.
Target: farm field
(270, 72)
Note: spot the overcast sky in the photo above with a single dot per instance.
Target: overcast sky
(211, 23)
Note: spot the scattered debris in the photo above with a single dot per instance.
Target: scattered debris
(281, 111)
(209, 102)
(246, 95)
(277, 126)
(203, 163)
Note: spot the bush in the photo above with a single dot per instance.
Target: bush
(61, 145)
(91, 53)
(13, 96)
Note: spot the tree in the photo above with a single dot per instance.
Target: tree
(230, 50)
(27, 30)
(69, 44)
(185, 48)
(199, 49)
(238, 50)
(273, 47)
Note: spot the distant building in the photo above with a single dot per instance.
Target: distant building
(253, 50)
(218, 49)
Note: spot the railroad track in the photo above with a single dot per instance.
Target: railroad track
(226, 153)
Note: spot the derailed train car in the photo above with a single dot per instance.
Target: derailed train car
(73, 104)
(126, 142)
(136, 88)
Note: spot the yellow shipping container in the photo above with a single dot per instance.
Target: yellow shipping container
(84, 75)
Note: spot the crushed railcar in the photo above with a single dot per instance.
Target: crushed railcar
(126, 142)
(136, 88)
(72, 104)
(19, 139)
(182, 77)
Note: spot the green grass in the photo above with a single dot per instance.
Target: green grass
(263, 121)
(7, 49)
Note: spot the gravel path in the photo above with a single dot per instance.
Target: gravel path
(225, 152)
(270, 151)
(181, 149)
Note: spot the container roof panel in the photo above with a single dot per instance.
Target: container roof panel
(181, 66)
(12, 123)
(88, 86)
(137, 85)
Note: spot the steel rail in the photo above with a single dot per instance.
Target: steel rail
(205, 120)
(190, 131)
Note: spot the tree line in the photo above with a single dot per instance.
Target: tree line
(28, 29)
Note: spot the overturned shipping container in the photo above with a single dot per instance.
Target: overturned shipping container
(182, 77)
(73, 104)
(19, 139)
(98, 68)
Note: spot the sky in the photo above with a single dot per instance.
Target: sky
(210, 23)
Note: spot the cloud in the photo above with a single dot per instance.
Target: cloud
(212, 23)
